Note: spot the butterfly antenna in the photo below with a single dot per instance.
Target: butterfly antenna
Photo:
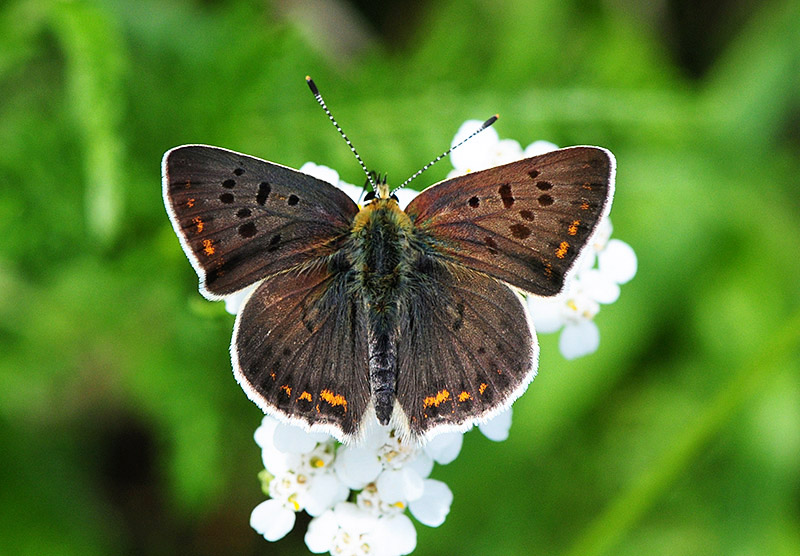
(484, 125)
(315, 92)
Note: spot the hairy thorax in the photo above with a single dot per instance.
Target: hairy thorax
(382, 261)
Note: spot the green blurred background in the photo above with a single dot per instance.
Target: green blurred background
(122, 430)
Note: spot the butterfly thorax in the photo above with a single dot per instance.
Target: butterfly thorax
(381, 260)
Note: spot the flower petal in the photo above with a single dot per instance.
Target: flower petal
(272, 520)
(579, 339)
(292, 439)
(401, 485)
(355, 192)
(374, 436)
(475, 153)
(264, 434)
(275, 461)
(395, 535)
(321, 531)
(506, 150)
(539, 147)
(497, 427)
(321, 172)
(422, 464)
(445, 447)
(547, 313)
(602, 234)
(353, 519)
(599, 286)
(323, 493)
(356, 466)
(233, 302)
(618, 260)
(433, 506)
(405, 196)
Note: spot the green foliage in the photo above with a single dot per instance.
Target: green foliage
(122, 428)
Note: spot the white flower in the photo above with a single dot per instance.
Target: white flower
(332, 177)
(603, 266)
(272, 519)
(483, 151)
(617, 261)
(396, 467)
(348, 529)
(301, 468)
(399, 485)
(311, 472)
(433, 506)
(233, 302)
(395, 535)
(444, 448)
(539, 147)
(322, 173)
(497, 428)
(357, 466)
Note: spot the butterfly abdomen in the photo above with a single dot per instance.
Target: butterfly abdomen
(381, 260)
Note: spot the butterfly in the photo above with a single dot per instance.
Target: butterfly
(411, 317)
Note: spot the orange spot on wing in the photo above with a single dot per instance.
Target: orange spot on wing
(587, 186)
(272, 376)
(573, 229)
(190, 203)
(548, 269)
(333, 399)
(584, 206)
(464, 396)
(199, 224)
(286, 388)
(562, 250)
(482, 387)
(208, 247)
(304, 396)
(441, 396)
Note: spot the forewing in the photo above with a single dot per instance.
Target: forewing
(466, 350)
(299, 351)
(525, 222)
(240, 218)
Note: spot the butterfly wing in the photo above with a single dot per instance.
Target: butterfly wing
(466, 351)
(240, 218)
(299, 350)
(525, 222)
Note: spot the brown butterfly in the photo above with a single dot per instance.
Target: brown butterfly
(375, 312)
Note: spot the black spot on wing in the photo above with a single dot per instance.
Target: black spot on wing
(506, 196)
(264, 189)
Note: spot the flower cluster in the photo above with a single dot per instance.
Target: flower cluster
(359, 495)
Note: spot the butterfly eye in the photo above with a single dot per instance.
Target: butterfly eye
(369, 196)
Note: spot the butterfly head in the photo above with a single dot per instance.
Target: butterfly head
(380, 188)
(380, 204)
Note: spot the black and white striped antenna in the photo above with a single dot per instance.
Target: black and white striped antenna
(315, 92)
(484, 125)
(380, 186)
